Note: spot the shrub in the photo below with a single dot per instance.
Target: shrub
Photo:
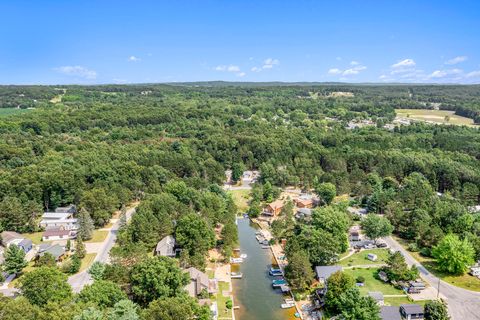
(229, 304)
(360, 279)
(413, 247)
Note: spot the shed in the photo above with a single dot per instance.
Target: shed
(411, 311)
(372, 257)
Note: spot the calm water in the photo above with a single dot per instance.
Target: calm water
(254, 293)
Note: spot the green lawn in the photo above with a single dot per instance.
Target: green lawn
(437, 116)
(360, 258)
(371, 283)
(223, 312)
(87, 261)
(241, 198)
(36, 237)
(98, 236)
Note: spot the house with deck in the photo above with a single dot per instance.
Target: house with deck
(274, 208)
(199, 282)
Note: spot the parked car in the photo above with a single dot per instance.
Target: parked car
(382, 245)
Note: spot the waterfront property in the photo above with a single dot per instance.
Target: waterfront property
(324, 272)
(274, 208)
(199, 282)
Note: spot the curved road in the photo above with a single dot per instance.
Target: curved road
(462, 304)
(79, 280)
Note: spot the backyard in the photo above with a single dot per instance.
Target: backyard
(241, 199)
(360, 258)
(371, 283)
(223, 311)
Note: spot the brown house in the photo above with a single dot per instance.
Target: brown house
(274, 208)
(304, 202)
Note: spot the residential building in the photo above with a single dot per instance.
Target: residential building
(62, 220)
(11, 237)
(274, 208)
(411, 311)
(390, 313)
(324, 272)
(69, 209)
(58, 234)
(56, 250)
(354, 236)
(199, 281)
(166, 247)
(304, 202)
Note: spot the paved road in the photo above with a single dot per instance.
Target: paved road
(79, 280)
(462, 304)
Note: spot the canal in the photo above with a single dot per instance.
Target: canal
(254, 293)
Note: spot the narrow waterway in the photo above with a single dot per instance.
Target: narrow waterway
(254, 293)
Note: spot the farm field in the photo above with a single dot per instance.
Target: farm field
(434, 116)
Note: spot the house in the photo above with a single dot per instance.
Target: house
(58, 234)
(62, 220)
(372, 257)
(417, 285)
(357, 211)
(411, 311)
(390, 313)
(69, 209)
(199, 281)
(324, 272)
(274, 208)
(354, 236)
(166, 247)
(56, 250)
(378, 297)
(11, 237)
(304, 202)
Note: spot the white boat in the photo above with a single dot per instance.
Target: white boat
(265, 247)
(236, 260)
(236, 275)
(287, 305)
(243, 256)
(289, 300)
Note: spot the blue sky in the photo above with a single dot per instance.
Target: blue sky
(87, 42)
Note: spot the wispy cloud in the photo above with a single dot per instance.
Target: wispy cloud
(439, 74)
(268, 64)
(456, 60)
(334, 71)
(134, 59)
(77, 71)
(227, 68)
(473, 74)
(402, 64)
(355, 70)
(354, 63)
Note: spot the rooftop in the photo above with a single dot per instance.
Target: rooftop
(411, 308)
(390, 313)
(326, 271)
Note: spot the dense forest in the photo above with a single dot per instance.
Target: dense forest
(102, 147)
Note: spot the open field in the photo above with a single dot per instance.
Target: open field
(5, 112)
(435, 116)
(360, 258)
(241, 199)
(98, 236)
(371, 283)
(465, 281)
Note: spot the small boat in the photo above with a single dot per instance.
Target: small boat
(245, 215)
(260, 238)
(243, 256)
(265, 247)
(285, 288)
(265, 242)
(278, 283)
(275, 272)
(236, 275)
(236, 260)
(287, 305)
(289, 300)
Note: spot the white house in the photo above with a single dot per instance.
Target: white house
(58, 234)
(58, 220)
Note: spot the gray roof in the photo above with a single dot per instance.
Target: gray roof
(56, 251)
(166, 247)
(326, 271)
(25, 243)
(198, 282)
(390, 313)
(8, 236)
(411, 308)
(70, 209)
(305, 211)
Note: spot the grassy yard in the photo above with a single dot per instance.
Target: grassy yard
(36, 237)
(371, 283)
(437, 116)
(87, 261)
(360, 258)
(98, 236)
(223, 311)
(465, 281)
(241, 199)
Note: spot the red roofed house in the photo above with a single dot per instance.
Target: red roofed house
(57, 234)
(304, 202)
(274, 208)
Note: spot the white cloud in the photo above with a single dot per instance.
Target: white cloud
(241, 74)
(406, 63)
(456, 60)
(77, 71)
(334, 71)
(256, 69)
(354, 70)
(438, 74)
(473, 74)
(229, 68)
(269, 63)
(354, 63)
(133, 59)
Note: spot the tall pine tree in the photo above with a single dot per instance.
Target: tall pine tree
(85, 225)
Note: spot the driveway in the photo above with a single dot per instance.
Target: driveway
(79, 280)
(462, 304)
